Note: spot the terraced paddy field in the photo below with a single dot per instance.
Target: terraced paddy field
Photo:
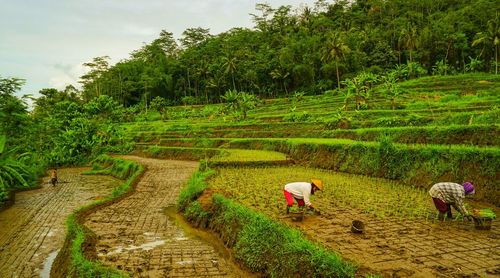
(402, 237)
(378, 164)
(226, 174)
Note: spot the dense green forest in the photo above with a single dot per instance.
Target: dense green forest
(346, 48)
(310, 49)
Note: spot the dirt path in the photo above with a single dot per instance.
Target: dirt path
(136, 235)
(408, 248)
(34, 227)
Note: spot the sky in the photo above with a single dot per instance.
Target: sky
(46, 42)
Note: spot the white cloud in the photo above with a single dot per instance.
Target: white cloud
(66, 75)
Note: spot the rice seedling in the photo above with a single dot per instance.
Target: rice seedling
(261, 188)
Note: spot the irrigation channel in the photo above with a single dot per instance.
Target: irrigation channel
(140, 234)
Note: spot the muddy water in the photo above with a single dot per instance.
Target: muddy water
(136, 236)
(47, 265)
(33, 229)
(197, 234)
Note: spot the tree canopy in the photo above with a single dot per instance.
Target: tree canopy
(307, 49)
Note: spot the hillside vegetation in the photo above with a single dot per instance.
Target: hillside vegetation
(440, 131)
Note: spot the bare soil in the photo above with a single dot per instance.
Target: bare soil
(135, 234)
(406, 248)
(33, 229)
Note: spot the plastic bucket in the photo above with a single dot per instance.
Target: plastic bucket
(357, 227)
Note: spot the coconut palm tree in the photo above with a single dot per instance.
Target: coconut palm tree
(335, 51)
(409, 39)
(230, 64)
(490, 37)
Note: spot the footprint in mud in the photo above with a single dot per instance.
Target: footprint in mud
(418, 261)
(440, 268)
(382, 246)
(493, 271)
(401, 251)
(399, 272)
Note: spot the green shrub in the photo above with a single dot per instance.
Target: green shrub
(297, 117)
(259, 243)
(193, 189)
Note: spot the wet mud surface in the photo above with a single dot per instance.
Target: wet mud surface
(406, 248)
(33, 229)
(136, 235)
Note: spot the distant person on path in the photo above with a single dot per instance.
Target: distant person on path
(447, 194)
(301, 192)
(53, 176)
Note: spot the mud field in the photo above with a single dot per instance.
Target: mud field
(136, 235)
(407, 248)
(33, 229)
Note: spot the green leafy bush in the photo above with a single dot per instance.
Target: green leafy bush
(260, 243)
(297, 117)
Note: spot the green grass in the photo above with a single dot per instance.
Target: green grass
(418, 165)
(259, 243)
(249, 156)
(452, 115)
(261, 189)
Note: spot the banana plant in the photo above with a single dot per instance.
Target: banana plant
(13, 172)
(2, 143)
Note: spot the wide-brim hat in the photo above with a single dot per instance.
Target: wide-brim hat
(318, 184)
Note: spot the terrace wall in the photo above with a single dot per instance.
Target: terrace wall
(419, 165)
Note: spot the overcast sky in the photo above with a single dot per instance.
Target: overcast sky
(47, 41)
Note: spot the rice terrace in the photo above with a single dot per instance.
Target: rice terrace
(330, 139)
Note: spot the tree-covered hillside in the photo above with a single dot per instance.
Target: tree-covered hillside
(308, 49)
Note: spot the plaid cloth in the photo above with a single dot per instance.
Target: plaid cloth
(451, 193)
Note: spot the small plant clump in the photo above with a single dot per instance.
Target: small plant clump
(261, 189)
(487, 214)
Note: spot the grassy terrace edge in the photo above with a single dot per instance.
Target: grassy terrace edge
(71, 260)
(420, 165)
(259, 243)
(477, 134)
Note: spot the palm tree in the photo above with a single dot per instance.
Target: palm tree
(230, 64)
(490, 37)
(409, 38)
(280, 74)
(335, 51)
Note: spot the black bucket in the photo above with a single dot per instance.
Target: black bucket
(357, 227)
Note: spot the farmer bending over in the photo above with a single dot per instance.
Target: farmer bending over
(301, 192)
(447, 194)
(53, 177)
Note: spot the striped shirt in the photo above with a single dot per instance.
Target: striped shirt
(451, 193)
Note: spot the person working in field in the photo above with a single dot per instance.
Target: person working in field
(53, 176)
(447, 194)
(301, 192)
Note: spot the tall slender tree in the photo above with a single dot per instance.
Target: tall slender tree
(491, 37)
(335, 50)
